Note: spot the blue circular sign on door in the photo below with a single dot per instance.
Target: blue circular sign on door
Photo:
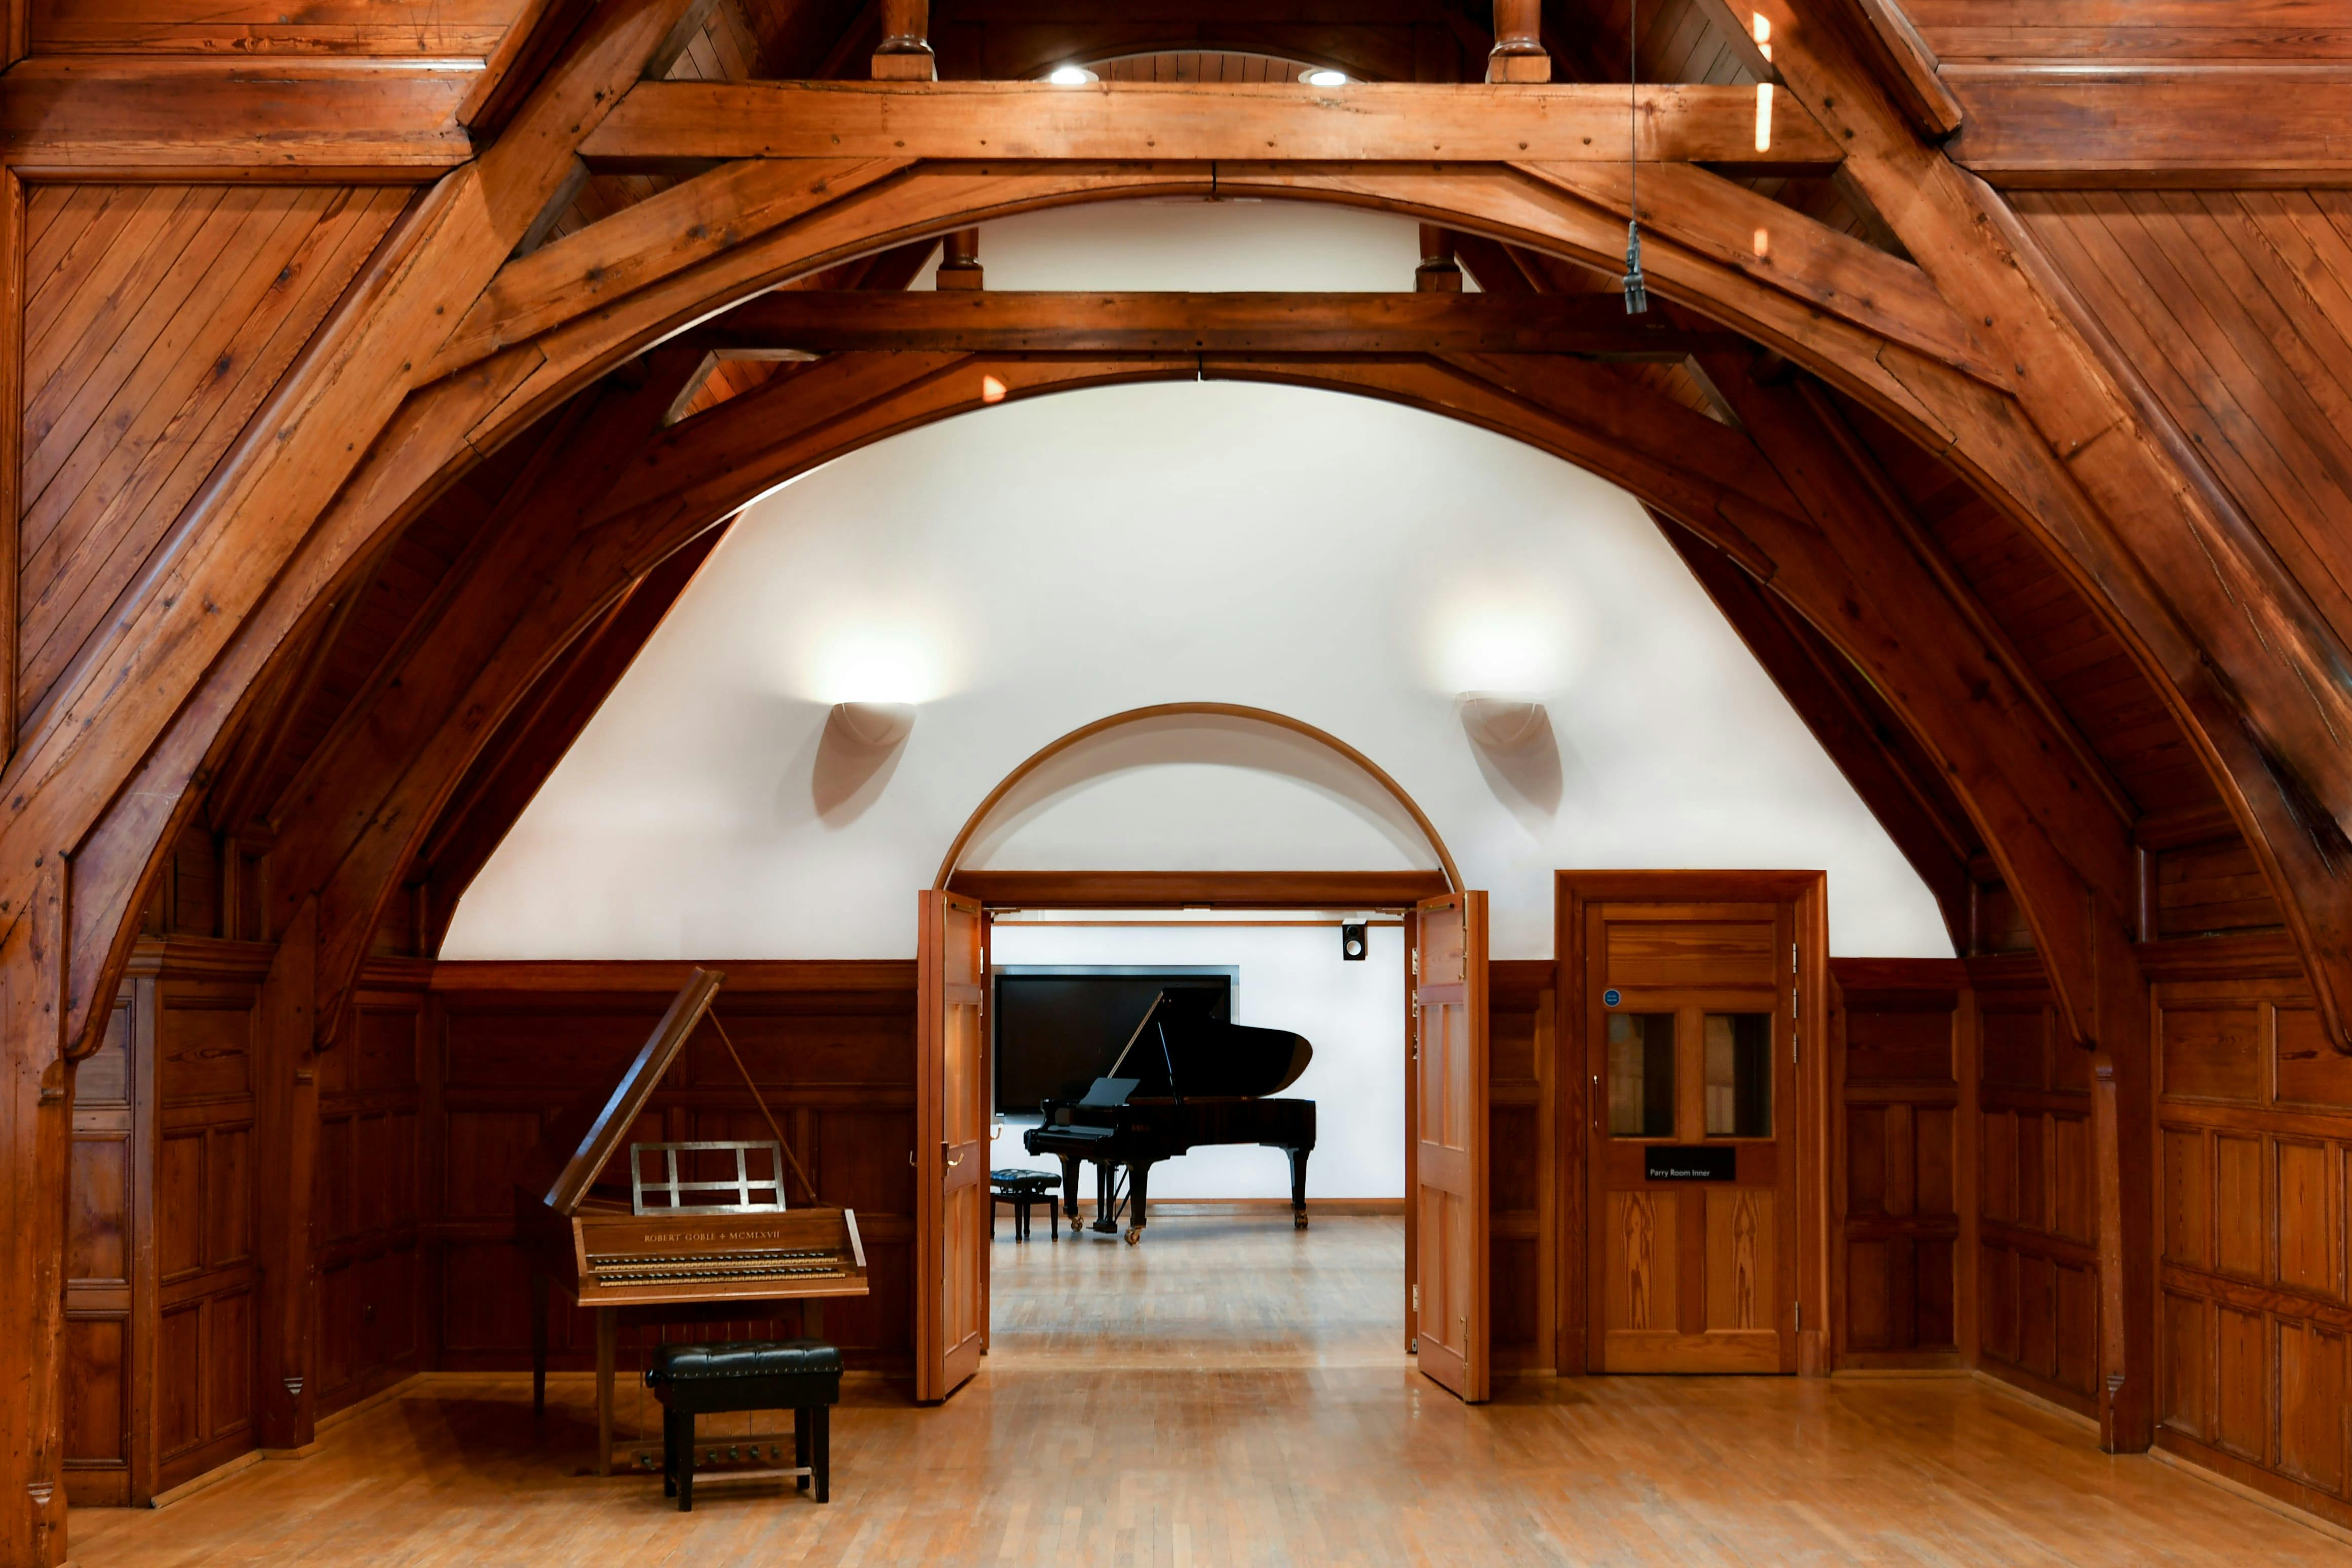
(1608, 998)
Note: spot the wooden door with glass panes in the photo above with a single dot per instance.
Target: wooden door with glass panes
(1694, 1107)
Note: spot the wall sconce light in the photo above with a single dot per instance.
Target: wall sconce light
(1500, 719)
(1353, 946)
(880, 725)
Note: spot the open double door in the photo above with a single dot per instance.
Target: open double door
(1446, 1109)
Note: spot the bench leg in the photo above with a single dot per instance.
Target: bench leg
(800, 1445)
(686, 1463)
(823, 1463)
(669, 1452)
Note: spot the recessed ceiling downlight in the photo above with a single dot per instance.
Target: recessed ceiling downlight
(1323, 76)
(1069, 76)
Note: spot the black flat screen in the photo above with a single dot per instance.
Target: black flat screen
(1057, 1032)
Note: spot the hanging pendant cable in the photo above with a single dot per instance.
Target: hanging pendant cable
(1637, 290)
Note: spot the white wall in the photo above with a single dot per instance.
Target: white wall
(1292, 977)
(1027, 569)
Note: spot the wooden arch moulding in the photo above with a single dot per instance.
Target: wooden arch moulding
(1266, 716)
(1875, 327)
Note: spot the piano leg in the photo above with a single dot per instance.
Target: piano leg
(538, 1343)
(1297, 1188)
(1105, 1197)
(1070, 1189)
(1138, 1183)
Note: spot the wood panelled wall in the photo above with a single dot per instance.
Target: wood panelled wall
(156, 319)
(1523, 1130)
(830, 1044)
(2254, 1163)
(1967, 1190)
(2037, 1261)
(1905, 1080)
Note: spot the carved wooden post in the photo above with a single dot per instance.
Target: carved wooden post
(2123, 1132)
(286, 1168)
(905, 52)
(1438, 273)
(960, 261)
(1518, 53)
(35, 1139)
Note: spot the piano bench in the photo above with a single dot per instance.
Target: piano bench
(802, 1376)
(1023, 1190)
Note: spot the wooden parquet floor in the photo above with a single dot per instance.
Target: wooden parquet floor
(1126, 1442)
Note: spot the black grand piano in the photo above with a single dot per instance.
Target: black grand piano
(1185, 1078)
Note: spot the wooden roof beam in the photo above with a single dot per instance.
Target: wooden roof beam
(2190, 127)
(350, 120)
(660, 126)
(983, 322)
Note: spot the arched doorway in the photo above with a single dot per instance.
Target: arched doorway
(1445, 1157)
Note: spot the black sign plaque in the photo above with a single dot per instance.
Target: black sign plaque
(1690, 1162)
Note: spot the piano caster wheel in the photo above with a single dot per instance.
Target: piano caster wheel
(1298, 1222)
(1134, 1235)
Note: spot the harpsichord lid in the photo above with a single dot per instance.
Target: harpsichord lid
(574, 1150)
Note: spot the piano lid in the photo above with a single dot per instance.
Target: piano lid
(1182, 1050)
(574, 1150)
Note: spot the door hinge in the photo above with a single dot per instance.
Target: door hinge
(1793, 958)
(1416, 1298)
(1800, 1309)
(1416, 963)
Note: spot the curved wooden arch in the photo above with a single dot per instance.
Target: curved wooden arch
(492, 381)
(1268, 716)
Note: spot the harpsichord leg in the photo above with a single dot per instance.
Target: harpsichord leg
(607, 1331)
(538, 1343)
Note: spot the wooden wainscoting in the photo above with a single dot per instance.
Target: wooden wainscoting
(1900, 1176)
(370, 1300)
(2037, 1253)
(2254, 1163)
(207, 1018)
(831, 1045)
(1522, 1191)
(110, 1453)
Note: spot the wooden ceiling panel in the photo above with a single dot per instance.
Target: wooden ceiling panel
(157, 319)
(2235, 308)
(2080, 661)
(1200, 65)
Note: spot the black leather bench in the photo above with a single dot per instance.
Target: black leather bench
(802, 1376)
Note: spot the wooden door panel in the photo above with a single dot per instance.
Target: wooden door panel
(951, 1145)
(1740, 1249)
(1450, 1171)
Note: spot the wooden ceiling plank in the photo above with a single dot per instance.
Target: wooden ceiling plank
(663, 124)
(1003, 320)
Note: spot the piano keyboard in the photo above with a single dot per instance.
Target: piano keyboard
(619, 1269)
